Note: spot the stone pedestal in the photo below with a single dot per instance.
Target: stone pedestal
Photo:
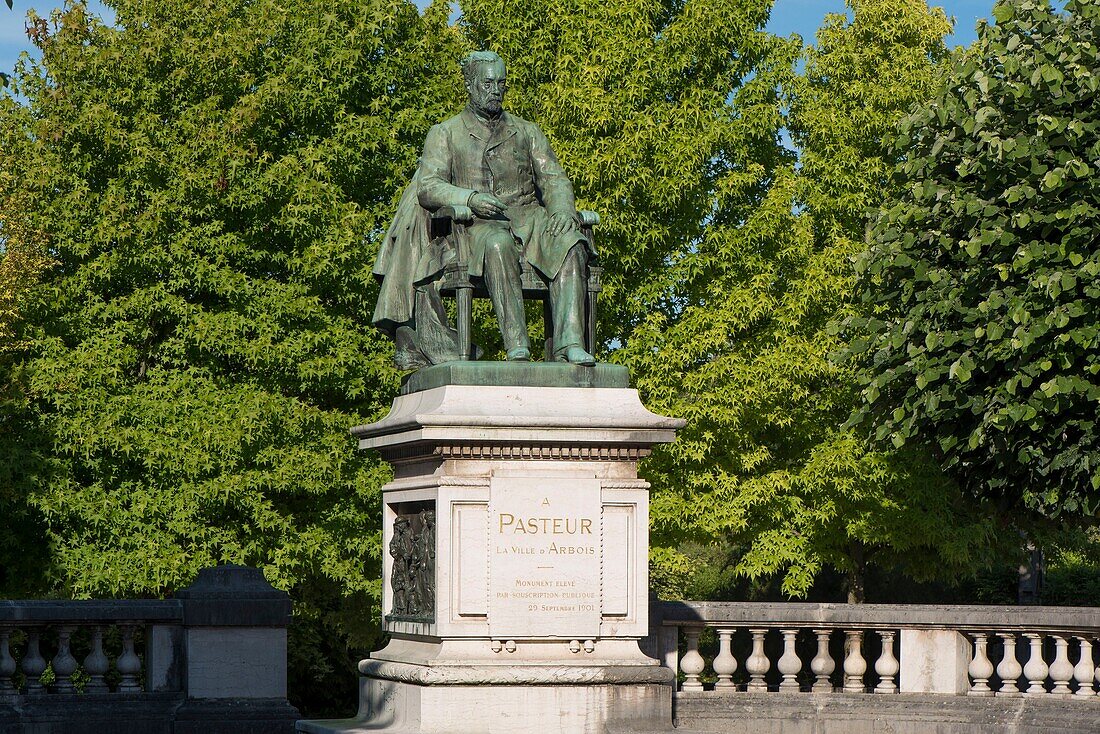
(516, 577)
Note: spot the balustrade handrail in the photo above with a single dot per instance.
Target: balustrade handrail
(978, 651)
(90, 610)
(878, 616)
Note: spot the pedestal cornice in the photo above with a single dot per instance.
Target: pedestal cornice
(509, 422)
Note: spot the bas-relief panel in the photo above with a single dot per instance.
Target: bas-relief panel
(412, 573)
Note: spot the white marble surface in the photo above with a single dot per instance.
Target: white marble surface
(545, 557)
(934, 661)
(561, 709)
(519, 414)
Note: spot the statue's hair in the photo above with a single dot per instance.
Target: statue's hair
(471, 61)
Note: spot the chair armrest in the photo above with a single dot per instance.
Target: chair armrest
(458, 213)
(588, 218)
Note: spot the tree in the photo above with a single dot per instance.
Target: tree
(763, 462)
(834, 501)
(982, 339)
(206, 175)
(636, 101)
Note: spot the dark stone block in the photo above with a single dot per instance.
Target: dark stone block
(234, 596)
(516, 374)
(96, 714)
(233, 716)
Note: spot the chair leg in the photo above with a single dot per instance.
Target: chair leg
(590, 326)
(548, 330)
(464, 301)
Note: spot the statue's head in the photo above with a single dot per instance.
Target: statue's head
(486, 81)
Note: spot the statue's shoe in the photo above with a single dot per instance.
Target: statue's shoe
(576, 355)
(519, 354)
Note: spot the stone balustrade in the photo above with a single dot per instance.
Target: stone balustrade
(55, 647)
(212, 660)
(975, 651)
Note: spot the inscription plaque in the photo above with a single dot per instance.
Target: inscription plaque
(544, 557)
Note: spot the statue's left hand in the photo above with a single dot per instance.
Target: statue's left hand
(560, 223)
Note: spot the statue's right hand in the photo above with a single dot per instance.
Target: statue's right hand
(487, 206)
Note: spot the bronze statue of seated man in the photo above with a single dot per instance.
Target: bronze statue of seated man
(503, 169)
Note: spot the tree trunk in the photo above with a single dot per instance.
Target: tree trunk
(857, 573)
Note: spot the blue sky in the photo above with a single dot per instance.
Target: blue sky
(788, 16)
(805, 16)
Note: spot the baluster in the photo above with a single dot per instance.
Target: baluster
(823, 664)
(725, 664)
(758, 664)
(1036, 669)
(33, 665)
(692, 663)
(63, 663)
(887, 665)
(1083, 671)
(96, 664)
(128, 663)
(1009, 668)
(7, 665)
(854, 664)
(980, 668)
(790, 665)
(1061, 671)
(1098, 676)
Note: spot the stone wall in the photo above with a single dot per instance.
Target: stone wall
(782, 713)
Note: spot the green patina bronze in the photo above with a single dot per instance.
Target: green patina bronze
(510, 203)
(516, 374)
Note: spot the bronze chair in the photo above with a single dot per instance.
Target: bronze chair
(456, 281)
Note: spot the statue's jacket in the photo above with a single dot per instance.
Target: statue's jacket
(462, 156)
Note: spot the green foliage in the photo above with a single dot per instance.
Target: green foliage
(206, 175)
(634, 97)
(763, 462)
(983, 340)
(23, 260)
(1073, 571)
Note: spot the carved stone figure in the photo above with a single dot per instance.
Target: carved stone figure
(412, 578)
(400, 547)
(504, 171)
(424, 580)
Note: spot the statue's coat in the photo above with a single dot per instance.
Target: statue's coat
(406, 258)
(514, 162)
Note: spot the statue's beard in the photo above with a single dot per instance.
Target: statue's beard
(485, 104)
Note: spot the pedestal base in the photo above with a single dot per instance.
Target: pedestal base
(402, 707)
(463, 687)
